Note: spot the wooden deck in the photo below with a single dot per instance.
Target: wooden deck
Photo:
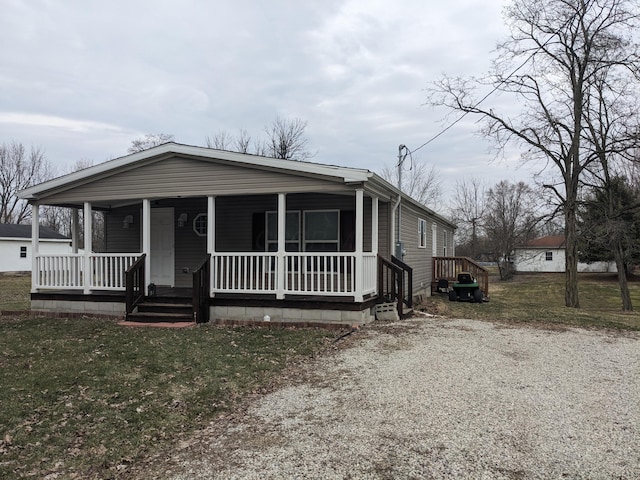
(447, 268)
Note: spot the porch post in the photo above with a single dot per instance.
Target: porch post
(282, 216)
(146, 241)
(211, 238)
(88, 238)
(35, 243)
(74, 230)
(374, 225)
(358, 297)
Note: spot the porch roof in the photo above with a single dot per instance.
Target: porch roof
(346, 176)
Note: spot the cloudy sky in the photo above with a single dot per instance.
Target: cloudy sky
(83, 78)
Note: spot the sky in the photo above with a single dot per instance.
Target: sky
(81, 79)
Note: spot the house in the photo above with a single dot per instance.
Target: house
(239, 237)
(547, 254)
(16, 246)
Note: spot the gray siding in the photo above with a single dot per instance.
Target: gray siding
(187, 177)
(417, 258)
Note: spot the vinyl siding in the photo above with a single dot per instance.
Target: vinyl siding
(188, 177)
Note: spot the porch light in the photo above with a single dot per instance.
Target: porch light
(182, 220)
(128, 220)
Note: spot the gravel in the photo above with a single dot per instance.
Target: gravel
(437, 398)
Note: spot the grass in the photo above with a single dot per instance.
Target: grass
(540, 299)
(85, 398)
(15, 292)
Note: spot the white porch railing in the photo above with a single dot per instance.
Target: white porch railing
(303, 273)
(107, 270)
(244, 272)
(69, 272)
(60, 271)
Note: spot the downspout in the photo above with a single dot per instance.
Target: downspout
(395, 229)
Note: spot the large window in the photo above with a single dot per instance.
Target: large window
(321, 230)
(291, 235)
(422, 233)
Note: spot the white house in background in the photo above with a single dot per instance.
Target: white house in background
(547, 254)
(16, 247)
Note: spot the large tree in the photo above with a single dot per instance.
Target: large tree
(468, 209)
(554, 51)
(19, 168)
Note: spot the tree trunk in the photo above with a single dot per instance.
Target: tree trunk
(571, 259)
(627, 306)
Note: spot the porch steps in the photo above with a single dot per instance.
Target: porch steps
(171, 310)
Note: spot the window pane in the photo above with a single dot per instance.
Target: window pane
(320, 226)
(292, 230)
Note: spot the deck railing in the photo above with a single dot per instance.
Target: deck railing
(104, 271)
(135, 284)
(447, 268)
(303, 273)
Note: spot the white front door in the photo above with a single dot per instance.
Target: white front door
(162, 246)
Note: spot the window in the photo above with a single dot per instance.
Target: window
(548, 256)
(200, 224)
(434, 239)
(422, 233)
(23, 252)
(291, 234)
(444, 243)
(321, 230)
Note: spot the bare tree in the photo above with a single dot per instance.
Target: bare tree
(221, 140)
(286, 139)
(511, 219)
(148, 141)
(559, 45)
(19, 169)
(468, 211)
(423, 183)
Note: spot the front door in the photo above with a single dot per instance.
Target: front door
(162, 246)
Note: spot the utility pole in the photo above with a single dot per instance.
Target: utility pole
(399, 246)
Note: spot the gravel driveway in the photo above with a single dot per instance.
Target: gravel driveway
(437, 398)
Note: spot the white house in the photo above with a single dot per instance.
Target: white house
(547, 254)
(16, 247)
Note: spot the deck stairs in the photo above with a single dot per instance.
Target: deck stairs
(163, 309)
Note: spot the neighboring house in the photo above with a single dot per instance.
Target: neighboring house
(295, 241)
(547, 254)
(16, 246)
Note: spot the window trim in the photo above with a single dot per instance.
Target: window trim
(434, 239)
(195, 222)
(422, 233)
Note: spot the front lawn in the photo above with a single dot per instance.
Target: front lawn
(85, 398)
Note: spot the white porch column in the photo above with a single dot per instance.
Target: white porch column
(35, 243)
(374, 225)
(146, 241)
(359, 244)
(88, 237)
(75, 223)
(282, 217)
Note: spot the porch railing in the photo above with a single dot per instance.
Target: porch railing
(134, 284)
(201, 289)
(104, 271)
(395, 283)
(447, 268)
(244, 272)
(108, 270)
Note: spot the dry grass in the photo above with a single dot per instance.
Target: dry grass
(540, 299)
